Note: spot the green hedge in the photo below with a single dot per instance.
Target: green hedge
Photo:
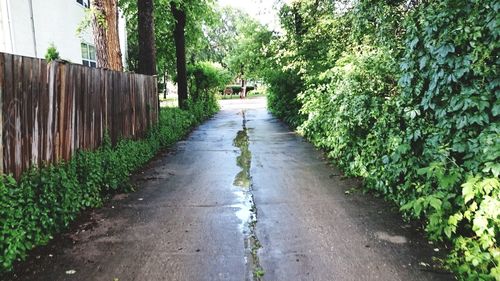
(44, 201)
(282, 91)
(236, 89)
(206, 77)
(450, 93)
(417, 119)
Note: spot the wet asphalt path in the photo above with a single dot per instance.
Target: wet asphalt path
(242, 198)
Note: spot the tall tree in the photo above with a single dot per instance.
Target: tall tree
(180, 52)
(246, 58)
(220, 36)
(106, 38)
(146, 30)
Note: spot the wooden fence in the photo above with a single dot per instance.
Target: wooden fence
(48, 111)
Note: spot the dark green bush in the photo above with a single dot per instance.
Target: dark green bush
(236, 89)
(450, 93)
(412, 106)
(282, 91)
(45, 200)
(207, 78)
(350, 114)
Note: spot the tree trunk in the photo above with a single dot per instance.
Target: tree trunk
(147, 47)
(165, 90)
(243, 92)
(114, 50)
(180, 53)
(106, 39)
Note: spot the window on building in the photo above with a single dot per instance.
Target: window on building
(84, 3)
(88, 55)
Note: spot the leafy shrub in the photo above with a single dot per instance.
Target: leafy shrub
(282, 91)
(349, 112)
(45, 200)
(236, 89)
(450, 81)
(207, 78)
(52, 53)
(425, 134)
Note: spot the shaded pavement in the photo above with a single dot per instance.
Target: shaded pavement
(242, 198)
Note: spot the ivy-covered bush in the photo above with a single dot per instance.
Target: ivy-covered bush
(351, 111)
(408, 99)
(450, 92)
(45, 200)
(282, 96)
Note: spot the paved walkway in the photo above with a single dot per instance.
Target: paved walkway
(243, 198)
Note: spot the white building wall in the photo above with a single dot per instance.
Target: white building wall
(54, 21)
(5, 42)
(18, 16)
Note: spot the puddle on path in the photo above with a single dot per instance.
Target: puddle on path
(244, 160)
(247, 211)
(242, 180)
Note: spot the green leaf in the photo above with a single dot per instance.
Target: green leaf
(417, 207)
(423, 171)
(448, 231)
(423, 62)
(407, 206)
(448, 180)
(492, 167)
(468, 192)
(480, 224)
(435, 203)
(496, 109)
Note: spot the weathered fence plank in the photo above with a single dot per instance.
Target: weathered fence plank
(49, 111)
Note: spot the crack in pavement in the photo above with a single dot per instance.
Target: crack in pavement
(248, 210)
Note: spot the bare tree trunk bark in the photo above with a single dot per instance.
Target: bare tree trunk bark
(180, 53)
(106, 38)
(99, 33)
(114, 50)
(147, 45)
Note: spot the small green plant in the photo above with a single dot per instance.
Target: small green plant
(52, 54)
(259, 273)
